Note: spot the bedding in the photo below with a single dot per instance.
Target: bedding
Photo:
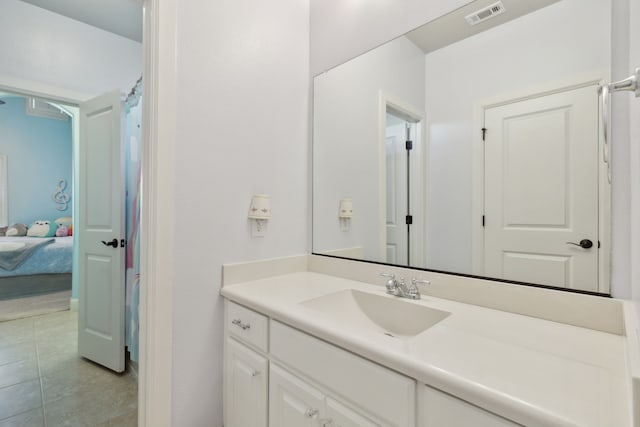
(53, 258)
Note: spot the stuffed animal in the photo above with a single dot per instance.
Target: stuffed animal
(17, 229)
(62, 231)
(42, 228)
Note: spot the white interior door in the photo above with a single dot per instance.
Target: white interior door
(100, 222)
(541, 190)
(396, 194)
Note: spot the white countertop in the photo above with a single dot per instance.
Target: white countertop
(532, 371)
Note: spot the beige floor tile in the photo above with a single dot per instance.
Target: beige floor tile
(67, 359)
(19, 398)
(92, 408)
(67, 342)
(18, 372)
(84, 377)
(127, 420)
(16, 332)
(52, 320)
(17, 352)
(32, 418)
(76, 392)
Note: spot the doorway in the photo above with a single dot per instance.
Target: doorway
(402, 194)
(44, 363)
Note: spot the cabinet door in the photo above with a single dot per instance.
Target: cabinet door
(439, 409)
(292, 402)
(342, 416)
(246, 387)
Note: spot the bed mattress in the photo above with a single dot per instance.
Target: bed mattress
(52, 258)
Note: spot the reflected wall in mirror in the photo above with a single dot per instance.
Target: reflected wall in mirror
(472, 149)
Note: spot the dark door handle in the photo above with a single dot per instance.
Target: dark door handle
(113, 243)
(584, 243)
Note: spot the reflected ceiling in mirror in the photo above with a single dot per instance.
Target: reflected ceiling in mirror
(472, 149)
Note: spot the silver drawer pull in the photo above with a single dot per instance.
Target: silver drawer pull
(311, 413)
(239, 323)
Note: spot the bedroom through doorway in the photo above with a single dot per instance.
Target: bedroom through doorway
(36, 225)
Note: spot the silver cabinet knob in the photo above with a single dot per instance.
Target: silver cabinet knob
(311, 413)
(239, 324)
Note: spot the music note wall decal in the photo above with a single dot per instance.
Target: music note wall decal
(60, 197)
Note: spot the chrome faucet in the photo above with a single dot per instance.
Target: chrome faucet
(400, 289)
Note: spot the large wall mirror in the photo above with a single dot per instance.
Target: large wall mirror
(472, 147)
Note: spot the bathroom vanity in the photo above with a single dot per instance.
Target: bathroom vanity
(308, 348)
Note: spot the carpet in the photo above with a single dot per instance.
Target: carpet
(18, 308)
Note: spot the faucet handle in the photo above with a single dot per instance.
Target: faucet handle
(392, 284)
(415, 281)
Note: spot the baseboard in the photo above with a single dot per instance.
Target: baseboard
(73, 304)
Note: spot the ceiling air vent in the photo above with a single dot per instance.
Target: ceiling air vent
(483, 14)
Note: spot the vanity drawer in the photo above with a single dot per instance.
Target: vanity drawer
(247, 325)
(386, 394)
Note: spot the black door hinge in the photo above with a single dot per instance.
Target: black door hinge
(484, 133)
(408, 145)
(483, 220)
(408, 219)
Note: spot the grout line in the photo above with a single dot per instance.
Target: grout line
(35, 339)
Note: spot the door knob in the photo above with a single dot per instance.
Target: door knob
(113, 243)
(584, 243)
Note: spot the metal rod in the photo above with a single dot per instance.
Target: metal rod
(628, 84)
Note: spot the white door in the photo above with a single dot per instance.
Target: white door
(292, 402)
(396, 195)
(342, 416)
(541, 190)
(247, 389)
(100, 221)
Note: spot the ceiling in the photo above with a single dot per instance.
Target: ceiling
(122, 17)
(453, 27)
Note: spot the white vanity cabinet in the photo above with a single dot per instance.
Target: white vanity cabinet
(278, 376)
(438, 409)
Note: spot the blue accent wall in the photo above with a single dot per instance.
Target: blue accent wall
(39, 153)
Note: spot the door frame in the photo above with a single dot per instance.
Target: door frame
(418, 193)
(158, 142)
(478, 152)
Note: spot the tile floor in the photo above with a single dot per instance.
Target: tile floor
(44, 383)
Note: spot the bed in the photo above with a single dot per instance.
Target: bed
(47, 269)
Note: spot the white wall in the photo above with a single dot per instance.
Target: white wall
(347, 151)
(508, 60)
(241, 128)
(634, 118)
(42, 47)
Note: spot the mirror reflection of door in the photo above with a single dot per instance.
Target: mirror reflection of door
(541, 190)
(401, 133)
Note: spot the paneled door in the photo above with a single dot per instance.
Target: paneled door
(100, 230)
(247, 387)
(541, 190)
(292, 402)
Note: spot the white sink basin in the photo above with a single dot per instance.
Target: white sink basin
(379, 313)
